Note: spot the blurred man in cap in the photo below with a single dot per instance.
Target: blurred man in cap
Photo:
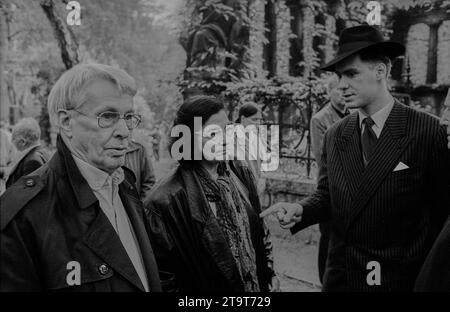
(332, 112)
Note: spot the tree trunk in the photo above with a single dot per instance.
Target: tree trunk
(4, 105)
(63, 34)
(270, 49)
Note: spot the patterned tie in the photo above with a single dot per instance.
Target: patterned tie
(369, 138)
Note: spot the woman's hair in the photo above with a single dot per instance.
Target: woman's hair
(247, 110)
(196, 106)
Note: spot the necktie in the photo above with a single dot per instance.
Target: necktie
(369, 138)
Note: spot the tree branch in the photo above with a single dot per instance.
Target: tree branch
(64, 36)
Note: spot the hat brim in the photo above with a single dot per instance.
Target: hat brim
(390, 49)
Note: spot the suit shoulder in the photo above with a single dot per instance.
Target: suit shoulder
(20, 195)
(422, 122)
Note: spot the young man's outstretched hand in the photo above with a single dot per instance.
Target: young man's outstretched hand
(288, 214)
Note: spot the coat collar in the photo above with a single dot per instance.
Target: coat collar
(103, 240)
(65, 166)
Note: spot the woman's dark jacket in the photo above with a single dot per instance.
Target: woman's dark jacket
(190, 248)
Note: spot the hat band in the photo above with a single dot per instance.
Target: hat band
(350, 46)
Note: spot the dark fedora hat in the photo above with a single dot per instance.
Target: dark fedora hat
(355, 39)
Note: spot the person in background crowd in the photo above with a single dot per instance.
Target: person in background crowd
(435, 273)
(249, 114)
(76, 223)
(30, 155)
(204, 217)
(138, 161)
(384, 176)
(7, 151)
(331, 113)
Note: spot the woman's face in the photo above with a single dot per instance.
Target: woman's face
(214, 126)
(255, 119)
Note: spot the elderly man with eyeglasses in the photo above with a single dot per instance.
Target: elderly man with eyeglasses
(77, 224)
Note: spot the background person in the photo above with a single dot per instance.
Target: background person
(7, 151)
(331, 113)
(30, 155)
(138, 161)
(435, 273)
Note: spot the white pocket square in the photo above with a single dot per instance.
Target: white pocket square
(401, 166)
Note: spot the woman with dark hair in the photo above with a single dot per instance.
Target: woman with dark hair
(204, 219)
(249, 114)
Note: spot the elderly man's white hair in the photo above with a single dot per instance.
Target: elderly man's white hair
(69, 92)
(27, 130)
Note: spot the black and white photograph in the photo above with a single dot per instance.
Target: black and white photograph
(225, 151)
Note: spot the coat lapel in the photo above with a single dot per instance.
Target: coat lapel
(349, 149)
(100, 237)
(133, 207)
(104, 241)
(390, 146)
(212, 237)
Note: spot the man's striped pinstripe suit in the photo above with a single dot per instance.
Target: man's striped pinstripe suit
(379, 214)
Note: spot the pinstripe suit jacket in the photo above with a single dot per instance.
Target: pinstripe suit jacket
(376, 213)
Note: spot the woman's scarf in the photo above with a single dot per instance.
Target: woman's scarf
(233, 219)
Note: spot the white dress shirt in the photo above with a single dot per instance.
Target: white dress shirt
(379, 118)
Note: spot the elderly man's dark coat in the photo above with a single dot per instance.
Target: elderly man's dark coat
(51, 219)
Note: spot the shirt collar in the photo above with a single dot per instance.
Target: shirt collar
(380, 117)
(96, 178)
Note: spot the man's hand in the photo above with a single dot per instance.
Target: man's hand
(288, 214)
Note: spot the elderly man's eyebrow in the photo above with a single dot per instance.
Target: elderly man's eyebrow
(114, 110)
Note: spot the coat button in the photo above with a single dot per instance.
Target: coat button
(103, 269)
(29, 182)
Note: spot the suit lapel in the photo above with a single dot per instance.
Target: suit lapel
(103, 240)
(133, 207)
(390, 146)
(349, 149)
